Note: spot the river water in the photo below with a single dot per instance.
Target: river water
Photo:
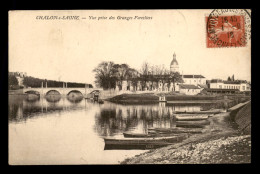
(72, 132)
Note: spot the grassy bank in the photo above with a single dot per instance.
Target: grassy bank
(151, 98)
(135, 99)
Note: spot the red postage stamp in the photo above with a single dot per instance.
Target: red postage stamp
(225, 31)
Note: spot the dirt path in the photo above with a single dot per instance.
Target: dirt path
(220, 143)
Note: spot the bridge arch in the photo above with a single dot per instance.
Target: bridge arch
(32, 95)
(74, 92)
(75, 96)
(32, 92)
(53, 96)
(53, 92)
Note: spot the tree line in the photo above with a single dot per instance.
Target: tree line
(36, 82)
(108, 75)
(33, 82)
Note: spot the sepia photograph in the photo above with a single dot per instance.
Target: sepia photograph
(124, 87)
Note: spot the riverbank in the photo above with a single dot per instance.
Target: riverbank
(16, 92)
(152, 98)
(221, 142)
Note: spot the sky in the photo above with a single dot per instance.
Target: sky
(69, 50)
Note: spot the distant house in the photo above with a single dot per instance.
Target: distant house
(19, 76)
(189, 89)
(240, 85)
(194, 79)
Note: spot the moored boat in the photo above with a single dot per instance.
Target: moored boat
(192, 124)
(200, 122)
(175, 130)
(213, 111)
(149, 135)
(141, 143)
(190, 117)
(138, 141)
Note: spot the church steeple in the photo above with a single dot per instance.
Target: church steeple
(174, 56)
(174, 67)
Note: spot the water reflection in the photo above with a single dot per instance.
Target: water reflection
(20, 108)
(113, 119)
(53, 98)
(110, 119)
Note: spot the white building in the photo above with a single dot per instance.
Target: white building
(220, 84)
(189, 89)
(194, 79)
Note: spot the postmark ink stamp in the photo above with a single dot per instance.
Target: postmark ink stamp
(228, 28)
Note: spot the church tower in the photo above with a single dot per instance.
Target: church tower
(174, 67)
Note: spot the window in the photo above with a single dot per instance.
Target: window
(220, 86)
(243, 87)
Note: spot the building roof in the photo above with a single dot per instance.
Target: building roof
(216, 81)
(185, 86)
(193, 76)
(227, 82)
(231, 82)
(174, 60)
(202, 86)
(218, 89)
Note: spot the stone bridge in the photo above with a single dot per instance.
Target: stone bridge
(62, 91)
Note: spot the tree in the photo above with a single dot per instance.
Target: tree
(121, 72)
(229, 79)
(175, 77)
(145, 69)
(12, 81)
(233, 77)
(133, 76)
(105, 75)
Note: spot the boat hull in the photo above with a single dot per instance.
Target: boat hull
(201, 122)
(133, 146)
(216, 111)
(141, 143)
(190, 117)
(175, 130)
(149, 135)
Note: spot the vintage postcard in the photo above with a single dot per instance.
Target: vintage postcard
(129, 87)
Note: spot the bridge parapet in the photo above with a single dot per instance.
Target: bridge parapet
(61, 90)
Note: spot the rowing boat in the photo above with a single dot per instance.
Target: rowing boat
(214, 111)
(156, 140)
(141, 143)
(149, 135)
(174, 130)
(200, 122)
(192, 124)
(190, 117)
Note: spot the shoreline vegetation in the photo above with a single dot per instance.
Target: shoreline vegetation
(224, 141)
